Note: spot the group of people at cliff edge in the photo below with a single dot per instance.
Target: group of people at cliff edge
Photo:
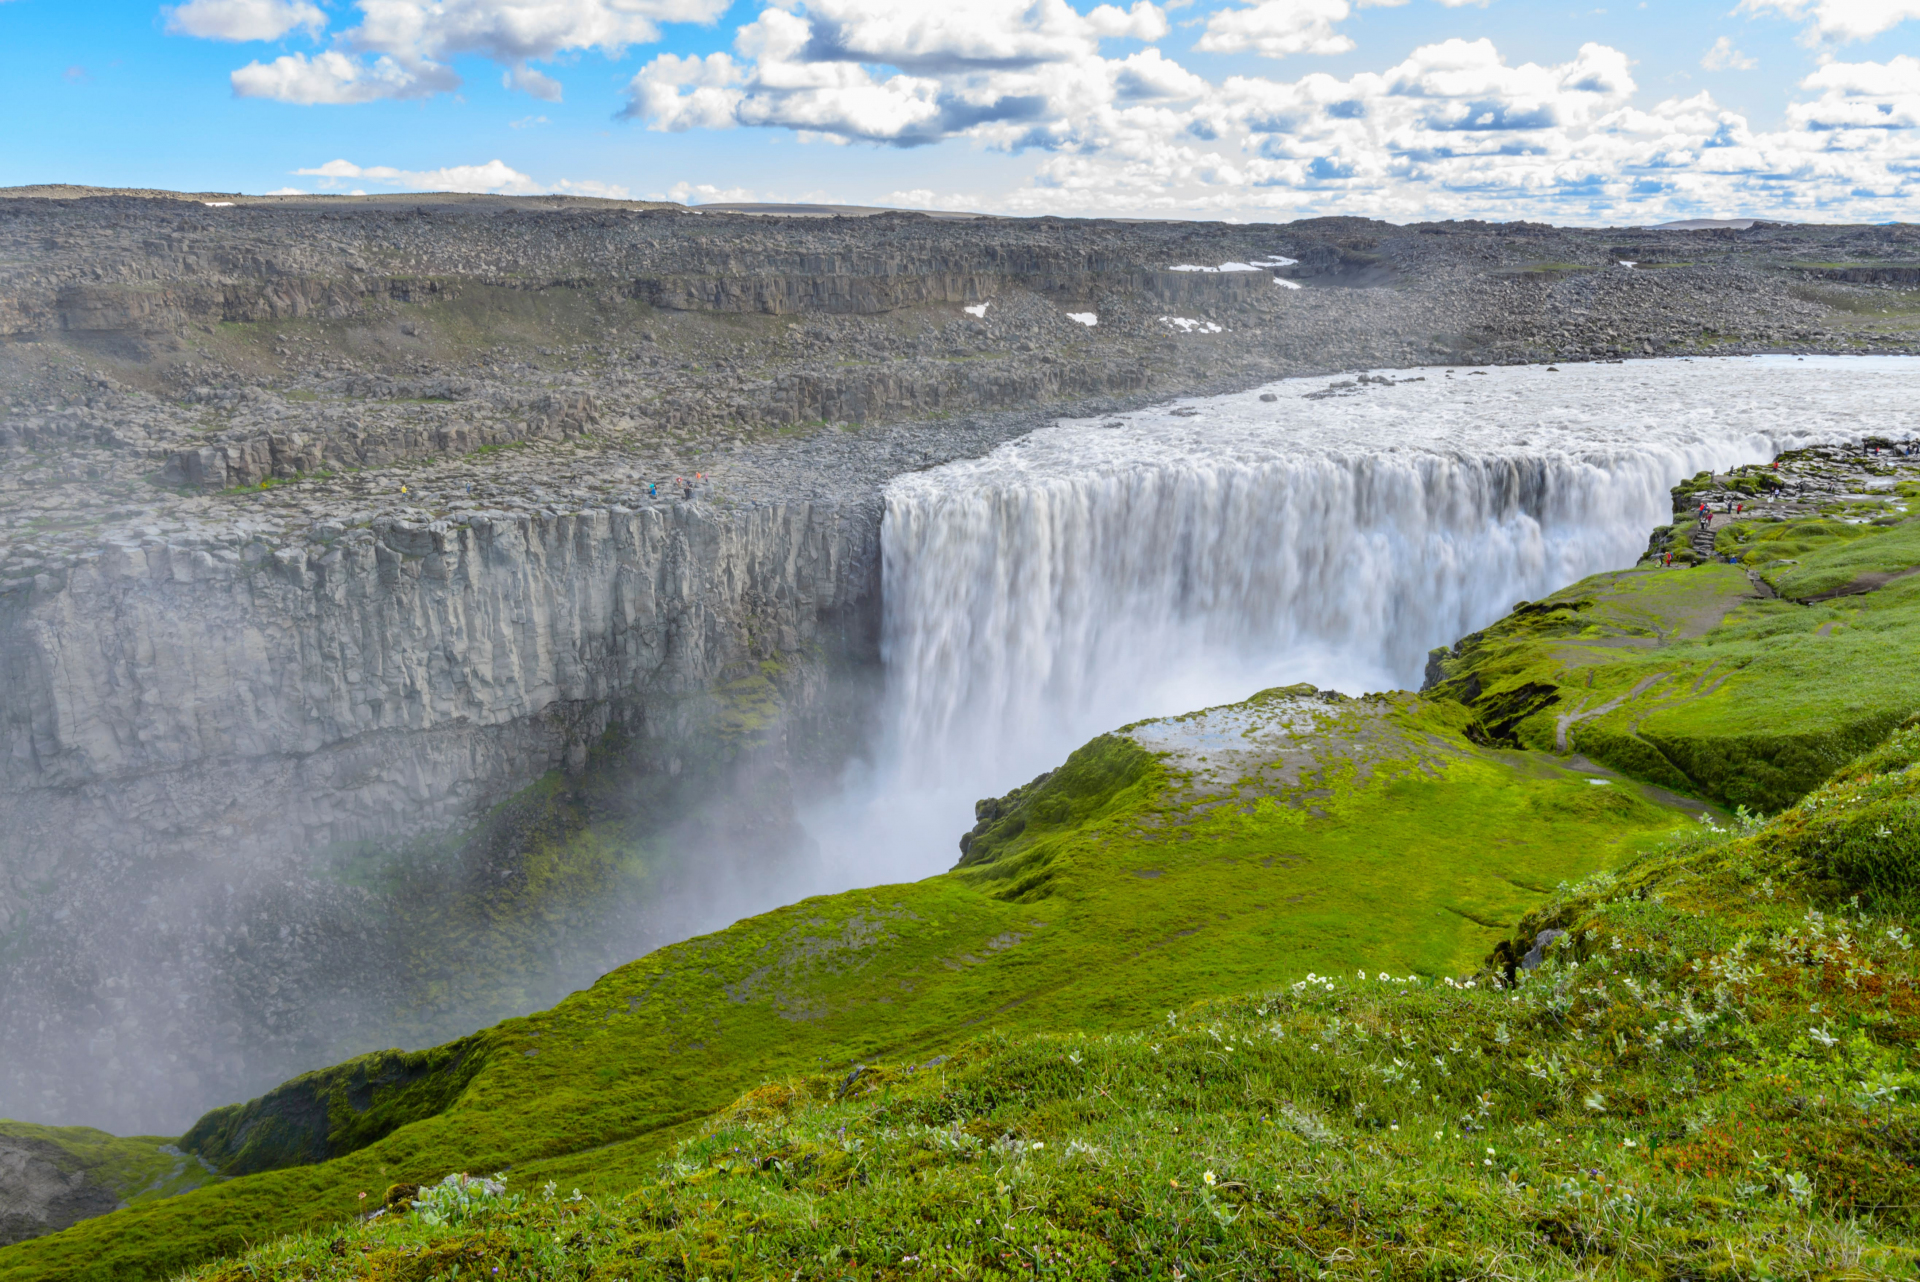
(682, 483)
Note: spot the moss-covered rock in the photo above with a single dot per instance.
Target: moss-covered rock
(335, 1110)
(52, 1177)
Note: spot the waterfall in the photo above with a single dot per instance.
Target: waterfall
(1020, 620)
(1101, 571)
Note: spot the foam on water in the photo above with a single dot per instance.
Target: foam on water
(1148, 563)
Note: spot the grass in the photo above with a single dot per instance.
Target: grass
(1710, 1075)
(1743, 700)
(1153, 887)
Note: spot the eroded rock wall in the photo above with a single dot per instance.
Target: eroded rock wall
(187, 724)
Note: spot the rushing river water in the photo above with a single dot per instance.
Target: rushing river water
(1155, 562)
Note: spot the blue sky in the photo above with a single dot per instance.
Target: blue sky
(1251, 109)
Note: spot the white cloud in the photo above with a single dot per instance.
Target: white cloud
(707, 194)
(244, 19)
(1839, 19)
(516, 31)
(496, 177)
(333, 78)
(677, 94)
(1724, 57)
(1013, 73)
(1450, 129)
(927, 198)
(402, 48)
(1149, 75)
(529, 81)
(1865, 107)
(1277, 28)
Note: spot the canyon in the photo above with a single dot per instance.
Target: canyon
(365, 561)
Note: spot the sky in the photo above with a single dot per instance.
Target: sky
(1634, 111)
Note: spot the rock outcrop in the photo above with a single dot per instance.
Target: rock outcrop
(39, 1194)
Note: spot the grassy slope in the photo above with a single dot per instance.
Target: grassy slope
(1382, 836)
(1326, 866)
(1690, 679)
(1712, 1075)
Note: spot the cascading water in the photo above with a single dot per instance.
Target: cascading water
(1068, 604)
(1102, 571)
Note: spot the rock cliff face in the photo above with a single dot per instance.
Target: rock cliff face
(179, 715)
(37, 1196)
(152, 658)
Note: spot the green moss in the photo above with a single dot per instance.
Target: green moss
(1137, 886)
(1708, 1074)
(336, 1110)
(1688, 679)
(1846, 559)
(1010, 843)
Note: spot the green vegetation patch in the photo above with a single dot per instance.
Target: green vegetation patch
(1707, 1072)
(335, 1110)
(1408, 850)
(1692, 679)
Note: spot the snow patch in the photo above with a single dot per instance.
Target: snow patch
(1254, 266)
(1284, 283)
(1088, 319)
(978, 309)
(1187, 325)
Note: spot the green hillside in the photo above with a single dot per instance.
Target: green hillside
(1193, 860)
(1710, 1075)
(1695, 680)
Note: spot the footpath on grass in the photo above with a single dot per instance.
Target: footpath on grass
(1230, 851)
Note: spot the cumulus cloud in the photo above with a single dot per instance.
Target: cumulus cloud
(333, 78)
(1453, 128)
(403, 48)
(1724, 57)
(244, 19)
(496, 177)
(1012, 72)
(516, 31)
(1277, 28)
(1839, 19)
